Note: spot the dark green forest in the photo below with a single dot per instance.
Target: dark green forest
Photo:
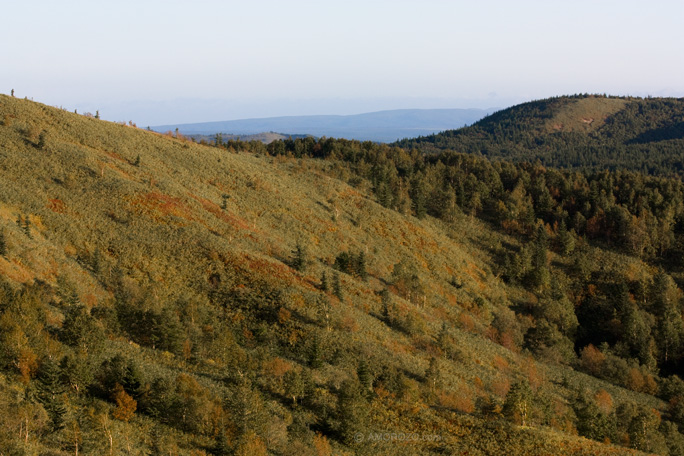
(588, 132)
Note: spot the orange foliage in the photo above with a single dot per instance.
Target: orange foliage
(57, 206)
(293, 337)
(459, 402)
(278, 367)
(284, 315)
(650, 385)
(27, 364)
(591, 289)
(348, 323)
(604, 401)
(596, 225)
(500, 364)
(251, 445)
(491, 334)
(233, 220)
(125, 404)
(635, 380)
(507, 341)
(478, 383)
(500, 387)
(90, 300)
(187, 349)
(159, 205)
(592, 360)
(322, 445)
(466, 322)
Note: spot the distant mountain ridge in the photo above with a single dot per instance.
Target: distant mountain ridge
(381, 126)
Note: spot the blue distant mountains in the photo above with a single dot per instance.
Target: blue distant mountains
(381, 126)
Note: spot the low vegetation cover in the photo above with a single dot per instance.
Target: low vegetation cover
(328, 297)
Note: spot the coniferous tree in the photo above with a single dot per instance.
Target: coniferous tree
(51, 391)
(387, 307)
(353, 411)
(669, 326)
(247, 409)
(643, 432)
(222, 446)
(42, 138)
(26, 226)
(433, 375)
(294, 385)
(443, 341)
(77, 372)
(315, 353)
(324, 282)
(360, 266)
(365, 375)
(591, 421)
(298, 261)
(3, 244)
(418, 194)
(323, 310)
(540, 275)
(96, 261)
(518, 403)
(566, 239)
(337, 287)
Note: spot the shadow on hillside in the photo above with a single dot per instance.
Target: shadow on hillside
(669, 132)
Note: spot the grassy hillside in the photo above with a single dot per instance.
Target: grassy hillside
(587, 132)
(162, 297)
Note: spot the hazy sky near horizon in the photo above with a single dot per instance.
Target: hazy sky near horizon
(171, 61)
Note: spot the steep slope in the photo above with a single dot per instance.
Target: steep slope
(589, 132)
(163, 296)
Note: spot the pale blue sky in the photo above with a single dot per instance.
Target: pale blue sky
(170, 61)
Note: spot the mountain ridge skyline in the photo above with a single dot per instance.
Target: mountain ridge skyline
(381, 126)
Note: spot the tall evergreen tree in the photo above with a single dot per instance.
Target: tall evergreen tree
(353, 411)
(668, 311)
(324, 282)
(518, 403)
(299, 260)
(365, 375)
(540, 275)
(337, 287)
(418, 194)
(433, 375)
(51, 392)
(360, 266)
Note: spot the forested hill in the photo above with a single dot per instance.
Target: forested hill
(328, 297)
(585, 131)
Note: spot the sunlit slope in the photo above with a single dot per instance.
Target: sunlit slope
(98, 204)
